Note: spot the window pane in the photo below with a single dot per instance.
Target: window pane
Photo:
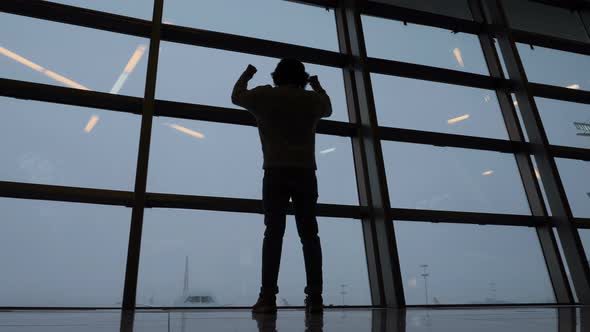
(135, 8)
(574, 176)
(435, 178)
(67, 254)
(65, 55)
(226, 160)
(388, 39)
(565, 123)
(455, 8)
(469, 264)
(449, 108)
(67, 145)
(549, 66)
(224, 253)
(282, 21)
(545, 19)
(585, 237)
(207, 76)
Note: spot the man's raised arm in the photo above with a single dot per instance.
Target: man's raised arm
(317, 87)
(241, 96)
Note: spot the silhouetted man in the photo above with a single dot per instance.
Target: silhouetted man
(287, 116)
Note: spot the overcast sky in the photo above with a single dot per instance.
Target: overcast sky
(65, 254)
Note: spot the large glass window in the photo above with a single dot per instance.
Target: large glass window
(550, 66)
(434, 178)
(393, 40)
(453, 263)
(67, 145)
(223, 251)
(575, 179)
(135, 8)
(76, 57)
(62, 254)
(282, 21)
(449, 108)
(207, 76)
(213, 159)
(565, 123)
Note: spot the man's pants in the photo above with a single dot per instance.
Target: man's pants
(301, 186)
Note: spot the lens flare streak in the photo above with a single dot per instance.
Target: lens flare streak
(91, 123)
(458, 56)
(53, 75)
(131, 64)
(458, 119)
(186, 130)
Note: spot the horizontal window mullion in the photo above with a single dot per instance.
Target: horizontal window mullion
(568, 152)
(238, 117)
(69, 96)
(438, 216)
(379, 9)
(250, 45)
(429, 73)
(450, 140)
(65, 193)
(318, 3)
(78, 16)
(560, 93)
(173, 201)
(582, 223)
(556, 43)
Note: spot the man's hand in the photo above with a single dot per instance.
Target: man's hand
(315, 83)
(249, 72)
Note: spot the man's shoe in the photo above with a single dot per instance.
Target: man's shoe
(265, 305)
(314, 304)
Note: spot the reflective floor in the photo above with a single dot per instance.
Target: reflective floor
(520, 319)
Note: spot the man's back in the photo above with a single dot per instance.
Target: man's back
(287, 117)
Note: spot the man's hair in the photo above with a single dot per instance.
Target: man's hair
(290, 71)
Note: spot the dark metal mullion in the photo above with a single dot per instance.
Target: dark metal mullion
(560, 93)
(561, 212)
(556, 43)
(238, 117)
(69, 96)
(450, 140)
(378, 229)
(582, 223)
(65, 193)
(133, 253)
(549, 248)
(245, 205)
(404, 14)
(359, 156)
(473, 218)
(435, 74)
(568, 152)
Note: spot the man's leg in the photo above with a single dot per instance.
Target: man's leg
(275, 200)
(305, 200)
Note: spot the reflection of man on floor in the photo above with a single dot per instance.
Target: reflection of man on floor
(287, 116)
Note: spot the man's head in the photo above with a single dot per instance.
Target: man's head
(290, 71)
